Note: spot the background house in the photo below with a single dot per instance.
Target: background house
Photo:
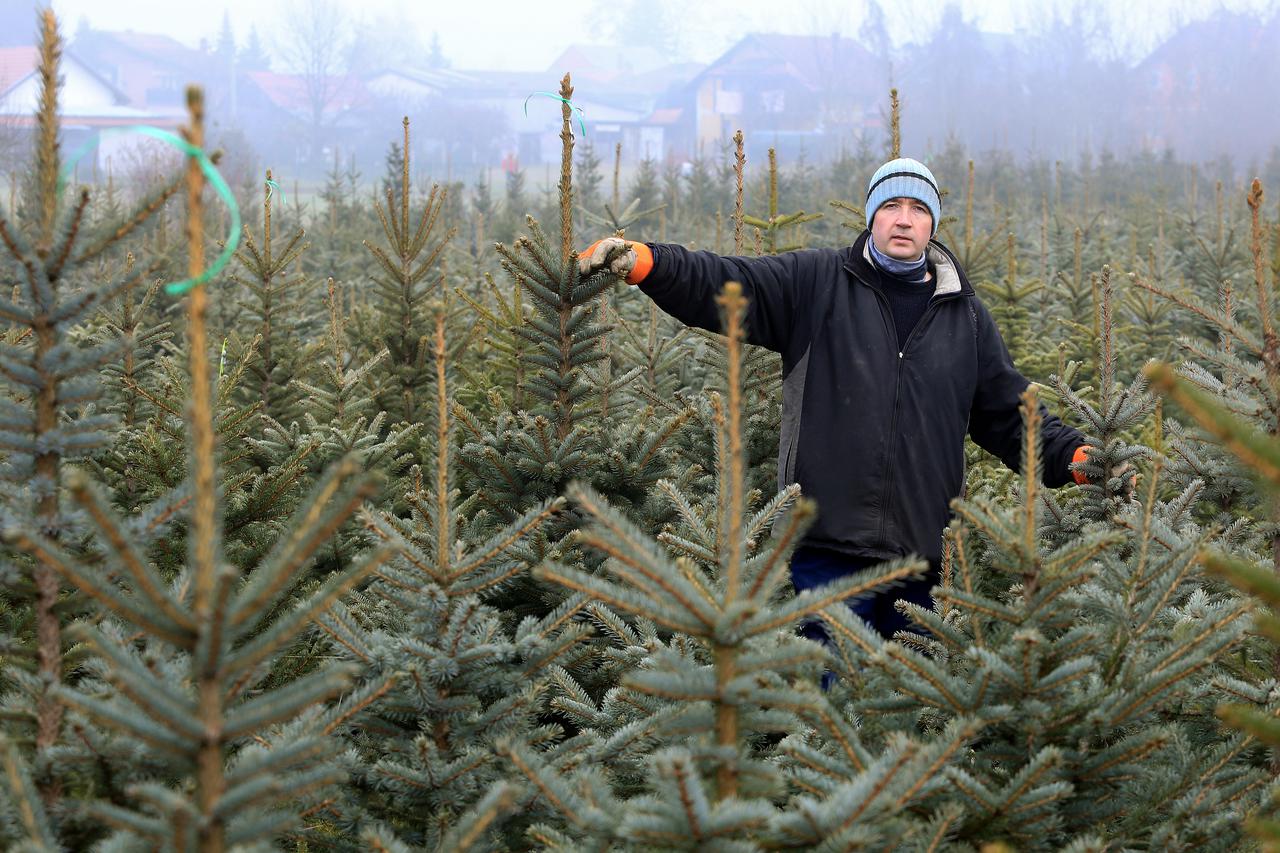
(151, 70)
(89, 101)
(1213, 75)
(468, 119)
(299, 121)
(814, 93)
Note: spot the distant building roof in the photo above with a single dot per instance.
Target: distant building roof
(438, 77)
(674, 74)
(289, 91)
(18, 64)
(156, 47)
(811, 60)
(511, 82)
(607, 62)
(15, 64)
(1204, 43)
(410, 83)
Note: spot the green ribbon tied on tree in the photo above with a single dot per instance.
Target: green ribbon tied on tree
(581, 123)
(177, 288)
(273, 188)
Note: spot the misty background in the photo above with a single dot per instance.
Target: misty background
(316, 87)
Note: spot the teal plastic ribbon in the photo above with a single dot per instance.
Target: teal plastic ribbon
(272, 188)
(581, 123)
(176, 288)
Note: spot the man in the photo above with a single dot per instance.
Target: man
(888, 359)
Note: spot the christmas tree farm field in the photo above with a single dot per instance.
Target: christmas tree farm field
(401, 531)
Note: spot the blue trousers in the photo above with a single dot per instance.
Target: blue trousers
(815, 567)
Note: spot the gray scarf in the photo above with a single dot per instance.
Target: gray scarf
(914, 271)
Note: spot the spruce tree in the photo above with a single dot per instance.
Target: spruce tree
(501, 314)
(1252, 708)
(394, 166)
(1151, 316)
(1009, 300)
(483, 208)
(644, 189)
(264, 472)
(514, 206)
(274, 302)
(587, 179)
(337, 251)
(1109, 425)
(51, 386)
(1232, 360)
(977, 251)
(341, 410)
(190, 694)
(531, 452)
(408, 276)
(444, 680)
(342, 421)
(141, 336)
(770, 227)
(659, 346)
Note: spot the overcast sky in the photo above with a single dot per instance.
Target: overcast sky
(516, 35)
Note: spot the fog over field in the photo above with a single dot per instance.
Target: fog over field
(302, 82)
(511, 35)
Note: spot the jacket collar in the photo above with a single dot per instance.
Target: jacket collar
(948, 275)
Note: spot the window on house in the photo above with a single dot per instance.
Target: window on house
(773, 100)
(728, 103)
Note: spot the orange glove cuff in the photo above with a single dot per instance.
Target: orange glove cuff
(1080, 456)
(644, 263)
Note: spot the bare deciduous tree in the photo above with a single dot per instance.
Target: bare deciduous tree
(316, 46)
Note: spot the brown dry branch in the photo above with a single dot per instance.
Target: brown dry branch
(739, 173)
(895, 125)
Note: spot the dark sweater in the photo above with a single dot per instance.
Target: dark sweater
(908, 300)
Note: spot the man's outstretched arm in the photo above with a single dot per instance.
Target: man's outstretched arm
(685, 284)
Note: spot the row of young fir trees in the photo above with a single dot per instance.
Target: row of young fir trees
(483, 555)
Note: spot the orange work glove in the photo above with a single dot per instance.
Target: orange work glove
(1128, 484)
(633, 264)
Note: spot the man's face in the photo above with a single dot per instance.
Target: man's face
(901, 228)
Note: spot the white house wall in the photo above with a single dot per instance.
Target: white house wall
(82, 94)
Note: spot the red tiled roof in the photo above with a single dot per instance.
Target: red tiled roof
(15, 64)
(289, 91)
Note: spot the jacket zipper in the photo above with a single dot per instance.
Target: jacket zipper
(886, 492)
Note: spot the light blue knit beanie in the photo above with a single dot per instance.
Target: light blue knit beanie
(904, 178)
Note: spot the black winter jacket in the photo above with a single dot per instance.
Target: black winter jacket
(874, 435)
